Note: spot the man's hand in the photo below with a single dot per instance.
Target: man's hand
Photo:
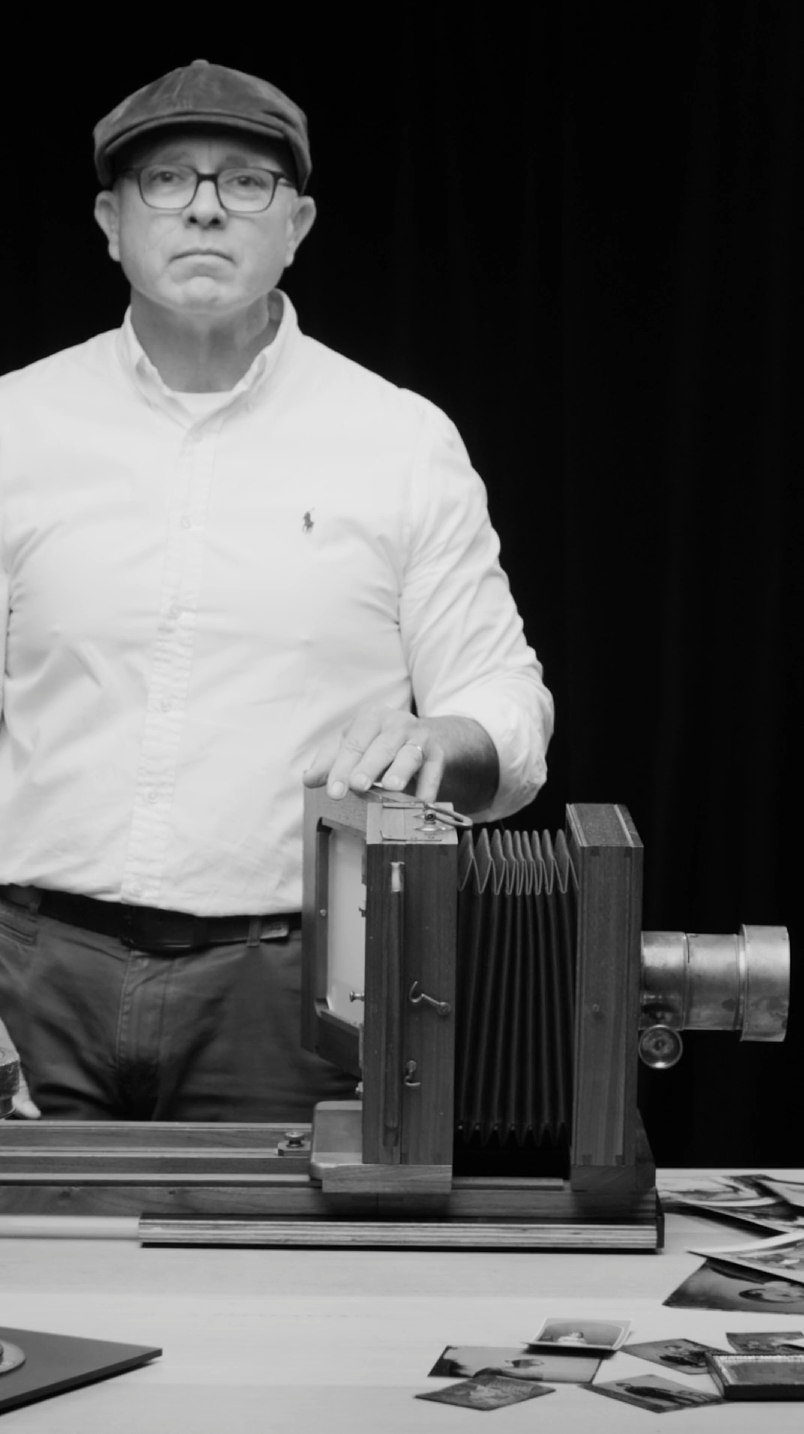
(449, 758)
(381, 743)
(22, 1104)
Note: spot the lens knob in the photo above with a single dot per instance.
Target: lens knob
(660, 1047)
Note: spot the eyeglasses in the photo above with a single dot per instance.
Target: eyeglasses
(239, 191)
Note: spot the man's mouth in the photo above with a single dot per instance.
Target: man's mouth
(201, 254)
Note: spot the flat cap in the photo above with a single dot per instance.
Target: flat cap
(204, 94)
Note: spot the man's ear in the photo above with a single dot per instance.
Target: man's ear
(107, 215)
(302, 221)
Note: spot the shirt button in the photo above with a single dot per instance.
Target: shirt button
(166, 704)
(173, 612)
(186, 520)
(153, 796)
(135, 887)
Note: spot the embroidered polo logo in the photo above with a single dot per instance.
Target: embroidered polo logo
(307, 521)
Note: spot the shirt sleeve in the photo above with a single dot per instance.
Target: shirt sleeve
(463, 636)
(4, 598)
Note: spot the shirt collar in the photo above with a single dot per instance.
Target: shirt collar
(148, 378)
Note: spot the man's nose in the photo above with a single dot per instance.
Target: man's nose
(205, 207)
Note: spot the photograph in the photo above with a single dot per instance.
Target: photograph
(700, 1188)
(758, 1376)
(768, 1341)
(790, 1190)
(725, 1287)
(784, 1253)
(582, 1334)
(468, 1361)
(704, 1190)
(685, 1354)
(776, 1215)
(652, 1392)
(493, 1392)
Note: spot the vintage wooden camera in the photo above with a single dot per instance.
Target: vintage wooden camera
(494, 996)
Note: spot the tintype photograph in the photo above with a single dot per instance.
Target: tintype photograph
(777, 1341)
(759, 1376)
(783, 1253)
(726, 1287)
(470, 1361)
(650, 1391)
(492, 1392)
(569, 1334)
(686, 1355)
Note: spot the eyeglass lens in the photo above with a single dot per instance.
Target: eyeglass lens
(240, 190)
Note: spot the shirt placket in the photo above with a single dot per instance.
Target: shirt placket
(172, 664)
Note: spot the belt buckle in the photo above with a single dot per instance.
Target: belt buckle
(147, 930)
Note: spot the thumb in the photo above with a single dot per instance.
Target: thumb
(22, 1105)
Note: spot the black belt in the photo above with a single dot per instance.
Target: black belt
(147, 927)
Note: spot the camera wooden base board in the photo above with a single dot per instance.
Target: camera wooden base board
(389, 1234)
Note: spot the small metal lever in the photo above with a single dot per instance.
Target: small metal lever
(410, 1071)
(442, 1007)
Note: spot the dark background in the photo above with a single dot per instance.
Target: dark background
(578, 228)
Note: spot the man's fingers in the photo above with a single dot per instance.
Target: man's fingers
(353, 766)
(380, 744)
(23, 1106)
(428, 783)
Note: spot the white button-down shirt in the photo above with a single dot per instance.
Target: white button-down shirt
(199, 591)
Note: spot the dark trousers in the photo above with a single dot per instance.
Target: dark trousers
(108, 1033)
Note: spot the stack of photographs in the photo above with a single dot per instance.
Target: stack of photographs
(759, 1376)
(759, 1200)
(781, 1255)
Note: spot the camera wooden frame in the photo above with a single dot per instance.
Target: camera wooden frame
(389, 1181)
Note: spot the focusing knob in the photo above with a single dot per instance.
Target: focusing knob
(660, 1047)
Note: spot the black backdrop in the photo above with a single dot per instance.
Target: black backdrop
(576, 227)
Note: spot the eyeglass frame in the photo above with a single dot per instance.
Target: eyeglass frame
(276, 174)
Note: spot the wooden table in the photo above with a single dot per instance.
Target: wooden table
(335, 1340)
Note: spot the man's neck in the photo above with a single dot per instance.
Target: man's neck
(193, 355)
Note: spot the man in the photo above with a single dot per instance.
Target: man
(233, 561)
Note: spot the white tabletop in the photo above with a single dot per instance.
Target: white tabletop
(341, 1340)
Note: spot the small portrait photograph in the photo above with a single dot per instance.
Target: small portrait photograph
(492, 1392)
(782, 1253)
(470, 1361)
(771, 1341)
(759, 1376)
(686, 1355)
(726, 1287)
(650, 1391)
(581, 1334)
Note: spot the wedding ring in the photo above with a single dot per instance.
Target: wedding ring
(419, 749)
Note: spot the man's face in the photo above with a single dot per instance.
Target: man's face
(203, 260)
